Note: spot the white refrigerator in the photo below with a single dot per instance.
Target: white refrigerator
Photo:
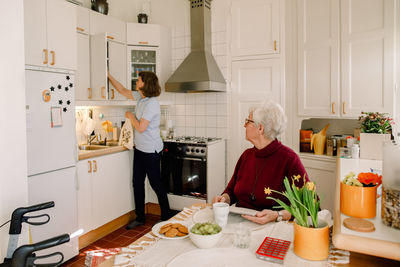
(52, 155)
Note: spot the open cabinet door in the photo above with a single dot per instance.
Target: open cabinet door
(98, 66)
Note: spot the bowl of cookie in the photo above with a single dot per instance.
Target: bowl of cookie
(171, 230)
(205, 235)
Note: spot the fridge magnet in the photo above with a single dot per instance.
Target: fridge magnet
(56, 117)
(46, 95)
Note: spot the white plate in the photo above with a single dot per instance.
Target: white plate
(156, 230)
(207, 215)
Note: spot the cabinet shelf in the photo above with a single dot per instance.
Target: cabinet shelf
(312, 156)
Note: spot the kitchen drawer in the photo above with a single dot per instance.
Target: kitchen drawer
(115, 28)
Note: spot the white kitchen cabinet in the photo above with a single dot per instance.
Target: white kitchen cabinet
(105, 189)
(50, 39)
(255, 27)
(82, 83)
(82, 20)
(360, 76)
(115, 28)
(253, 81)
(322, 171)
(117, 59)
(106, 55)
(143, 34)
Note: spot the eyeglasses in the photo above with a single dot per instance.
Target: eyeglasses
(247, 121)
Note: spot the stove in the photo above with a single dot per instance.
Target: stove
(193, 140)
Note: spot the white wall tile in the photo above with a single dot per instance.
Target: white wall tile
(211, 98)
(179, 131)
(180, 121)
(188, 42)
(222, 98)
(211, 110)
(201, 132)
(222, 109)
(222, 121)
(221, 37)
(180, 99)
(201, 98)
(190, 131)
(222, 133)
(190, 110)
(180, 110)
(190, 99)
(200, 121)
(190, 121)
(211, 122)
(179, 31)
(187, 51)
(180, 53)
(211, 132)
(221, 49)
(201, 110)
(179, 42)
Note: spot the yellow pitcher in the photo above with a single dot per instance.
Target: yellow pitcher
(318, 141)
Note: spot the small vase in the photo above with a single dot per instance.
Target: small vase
(356, 201)
(311, 243)
(371, 145)
(100, 6)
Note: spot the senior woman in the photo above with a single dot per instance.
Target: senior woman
(263, 167)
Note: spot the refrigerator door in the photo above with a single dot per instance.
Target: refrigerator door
(60, 187)
(50, 115)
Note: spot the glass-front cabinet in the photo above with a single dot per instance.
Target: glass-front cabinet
(141, 58)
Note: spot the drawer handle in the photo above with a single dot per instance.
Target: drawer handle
(110, 37)
(333, 107)
(90, 166)
(102, 92)
(143, 42)
(274, 45)
(344, 108)
(90, 93)
(80, 29)
(53, 54)
(113, 94)
(46, 56)
(95, 166)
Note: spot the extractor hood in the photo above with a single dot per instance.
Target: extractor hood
(199, 71)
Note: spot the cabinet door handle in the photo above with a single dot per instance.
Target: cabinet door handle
(53, 54)
(110, 37)
(80, 29)
(333, 107)
(113, 94)
(95, 166)
(90, 166)
(102, 92)
(344, 108)
(274, 45)
(143, 42)
(90, 93)
(46, 56)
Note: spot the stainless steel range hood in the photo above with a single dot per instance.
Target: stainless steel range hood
(199, 71)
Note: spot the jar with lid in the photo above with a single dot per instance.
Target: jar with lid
(355, 151)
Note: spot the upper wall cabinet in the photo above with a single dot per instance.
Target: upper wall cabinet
(143, 34)
(82, 22)
(360, 77)
(255, 16)
(50, 38)
(115, 28)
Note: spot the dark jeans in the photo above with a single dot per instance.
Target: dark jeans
(148, 163)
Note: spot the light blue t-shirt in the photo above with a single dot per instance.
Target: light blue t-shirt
(148, 108)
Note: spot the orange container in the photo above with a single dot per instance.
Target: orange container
(311, 243)
(359, 202)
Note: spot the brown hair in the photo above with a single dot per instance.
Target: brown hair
(151, 86)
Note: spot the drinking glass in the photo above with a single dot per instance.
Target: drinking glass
(242, 236)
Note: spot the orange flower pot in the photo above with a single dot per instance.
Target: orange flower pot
(359, 202)
(311, 243)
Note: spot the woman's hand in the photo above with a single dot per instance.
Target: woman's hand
(129, 115)
(224, 198)
(263, 217)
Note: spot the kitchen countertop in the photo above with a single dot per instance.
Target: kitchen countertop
(87, 154)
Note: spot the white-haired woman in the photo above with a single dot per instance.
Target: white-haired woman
(263, 167)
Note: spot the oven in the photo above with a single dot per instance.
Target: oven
(184, 169)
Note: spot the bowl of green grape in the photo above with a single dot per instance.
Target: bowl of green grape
(205, 235)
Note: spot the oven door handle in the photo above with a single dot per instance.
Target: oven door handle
(187, 158)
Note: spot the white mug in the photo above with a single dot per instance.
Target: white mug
(221, 212)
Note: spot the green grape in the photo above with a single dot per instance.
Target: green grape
(206, 228)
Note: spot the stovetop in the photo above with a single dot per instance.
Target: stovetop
(193, 140)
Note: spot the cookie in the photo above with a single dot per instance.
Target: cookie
(180, 234)
(164, 230)
(166, 225)
(176, 225)
(171, 232)
(183, 229)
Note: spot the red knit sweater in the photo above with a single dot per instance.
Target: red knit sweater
(272, 164)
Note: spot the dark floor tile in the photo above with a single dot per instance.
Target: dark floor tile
(121, 240)
(131, 233)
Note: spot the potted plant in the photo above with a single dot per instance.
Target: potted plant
(358, 195)
(311, 235)
(375, 128)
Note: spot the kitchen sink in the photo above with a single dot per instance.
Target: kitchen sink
(92, 147)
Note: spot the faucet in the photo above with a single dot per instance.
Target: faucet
(91, 138)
